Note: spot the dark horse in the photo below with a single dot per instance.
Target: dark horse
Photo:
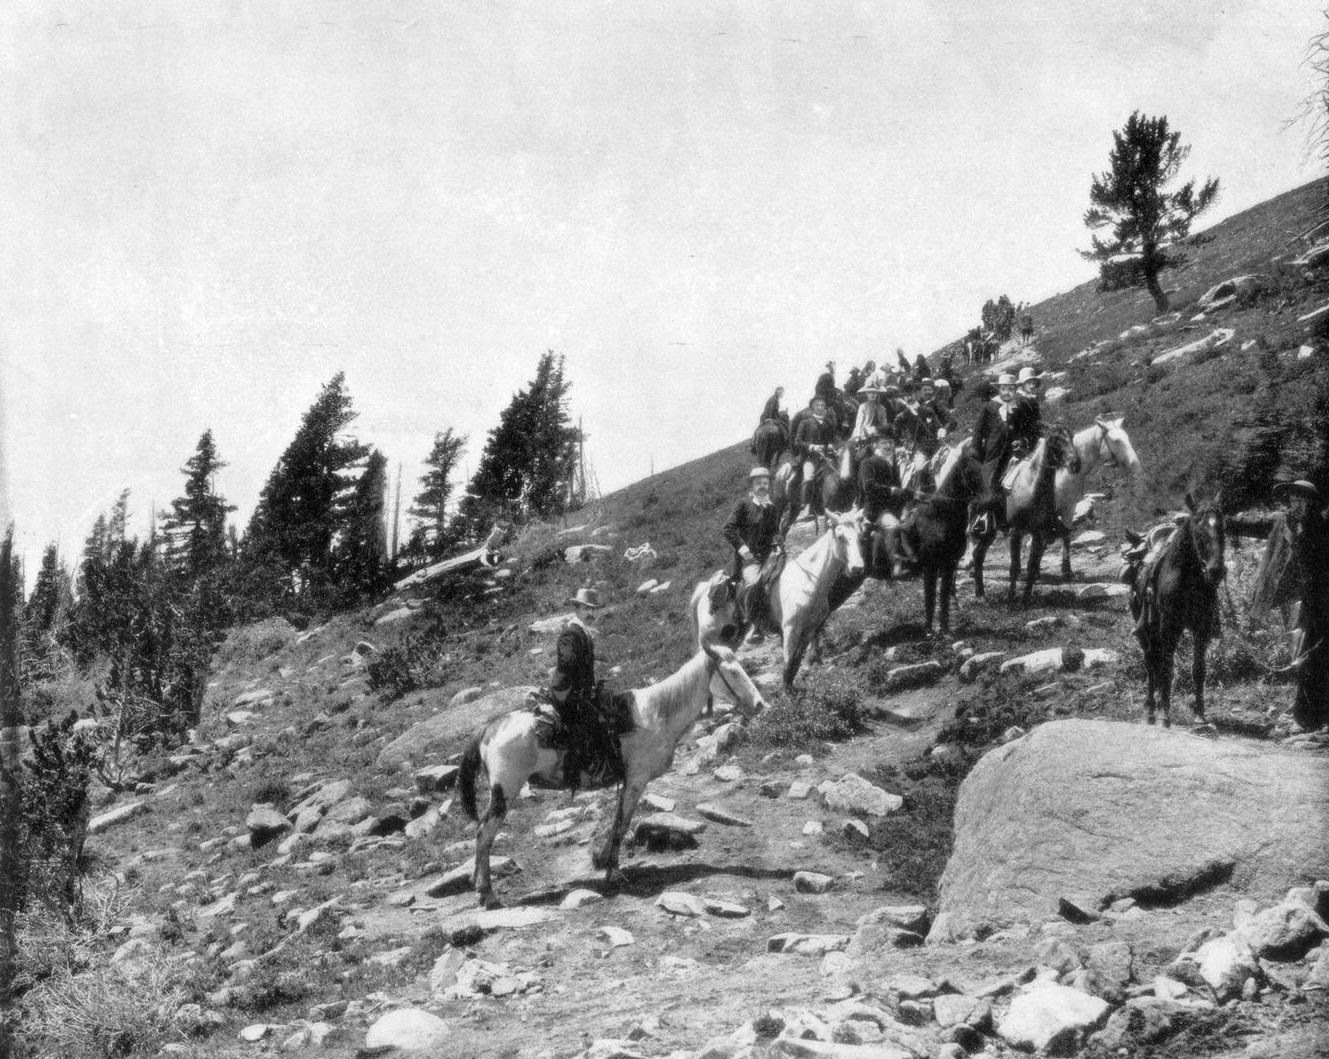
(1031, 509)
(769, 442)
(832, 493)
(1177, 589)
(936, 530)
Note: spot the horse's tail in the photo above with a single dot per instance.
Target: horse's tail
(470, 768)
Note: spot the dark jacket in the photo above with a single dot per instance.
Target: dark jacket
(853, 383)
(810, 433)
(755, 525)
(825, 387)
(1027, 422)
(917, 428)
(879, 485)
(772, 409)
(992, 434)
(576, 660)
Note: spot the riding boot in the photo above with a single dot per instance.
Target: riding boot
(805, 502)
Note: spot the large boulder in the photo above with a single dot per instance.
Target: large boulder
(1110, 810)
(429, 739)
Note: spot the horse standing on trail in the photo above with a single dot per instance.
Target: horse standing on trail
(1176, 589)
(1104, 440)
(516, 748)
(802, 597)
(1030, 509)
(936, 530)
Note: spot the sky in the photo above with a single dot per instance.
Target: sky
(211, 208)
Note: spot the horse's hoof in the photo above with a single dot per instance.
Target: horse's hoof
(489, 902)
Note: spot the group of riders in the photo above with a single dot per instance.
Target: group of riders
(885, 436)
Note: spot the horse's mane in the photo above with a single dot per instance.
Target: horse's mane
(948, 469)
(668, 695)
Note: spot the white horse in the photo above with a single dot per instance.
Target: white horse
(1102, 441)
(515, 748)
(808, 589)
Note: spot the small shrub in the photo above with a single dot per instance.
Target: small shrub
(412, 664)
(252, 643)
(829, 710)
(274, 790)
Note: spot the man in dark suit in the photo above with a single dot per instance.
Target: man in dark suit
(814, 439)
(753, 531)
(994, 434)
(572, 686)
(883, 500)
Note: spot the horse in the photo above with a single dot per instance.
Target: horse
(833, 494)
(1030, 509)
(1103, 440)
(802, 597)
(1178, 590)
(936, 529)
(516, 748)
(770, 440)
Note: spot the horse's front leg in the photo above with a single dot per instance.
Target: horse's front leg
(1165, 663)
(1150, 683)
(484, 842)
(1016, 541)
(606, 857)
(930, 598)
(1066, 554)
(981, 546)
(1198, 666)
(795, 643)
(1036, 548)
(947, 590)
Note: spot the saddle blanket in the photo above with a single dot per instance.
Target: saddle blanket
(1008, 476)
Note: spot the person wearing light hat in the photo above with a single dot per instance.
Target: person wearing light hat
(993, 437)
(572, 684)
(873, 417)
(1030, 383)
(753, 531)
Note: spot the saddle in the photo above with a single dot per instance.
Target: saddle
(1012, 470)
(598, 722)
(754, 599)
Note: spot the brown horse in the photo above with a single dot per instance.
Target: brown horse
(769, 442)
(1031, 509)
(1177, 589)
(936, 530)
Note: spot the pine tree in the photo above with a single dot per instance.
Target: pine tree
(362, 569)
(44, 617)
(1147, 221)
(529, 458)
(195, 528)
(303, 505)
(430, 508)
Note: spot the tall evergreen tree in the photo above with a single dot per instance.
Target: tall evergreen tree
(303, 506)
(430, 508)
(362, 550)
(195, 528)
(44, 615)
(529, 458)
(1146, 220)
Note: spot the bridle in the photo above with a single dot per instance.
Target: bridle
(713, 669)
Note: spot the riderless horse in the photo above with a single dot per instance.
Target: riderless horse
(1174, 589)
(804, 595)
(517, 748)
(1030, 509)
(1104, 440)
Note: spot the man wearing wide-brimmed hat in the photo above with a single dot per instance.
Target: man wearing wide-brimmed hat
(753, 531)
(993, 436)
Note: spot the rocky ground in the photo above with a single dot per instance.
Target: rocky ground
(332, 913)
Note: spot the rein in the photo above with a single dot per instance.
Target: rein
(713, 668)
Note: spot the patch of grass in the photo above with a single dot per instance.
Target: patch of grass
(252, 643)
(827, 711)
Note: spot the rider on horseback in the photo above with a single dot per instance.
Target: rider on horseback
(753, 531)
(772, 413)
(1007, 424)
(883, 500)
(575, 694)
(814, 442)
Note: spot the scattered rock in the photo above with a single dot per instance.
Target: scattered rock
(458, 880)
(1284, 932)
(914, 676)
(721, 815)
(580, 898)
(726, 909)
(616, 936)
(808, 944)
(1102, 590)
(980, 663)
(265, 823)
(436, 778)
(408, 1029)
(1108, 970)
(956, 1009)
(435, 736)
(851, 793)
(678, 903)
(811, 882)
(667, 831)
(255, 1032)
(1051, 1018)
(118, 815)
(1224, 963)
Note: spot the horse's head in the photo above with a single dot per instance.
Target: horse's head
(1208, 535)
(729, 680)
(846, 540)
(1116, 444)
(1060, 448)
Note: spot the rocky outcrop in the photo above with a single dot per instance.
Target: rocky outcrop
(431, 738)
(1112, 810)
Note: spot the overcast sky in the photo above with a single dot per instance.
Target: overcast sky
(210, 208)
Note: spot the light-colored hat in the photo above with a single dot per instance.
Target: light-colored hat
(1300, 487)
(869, 389)
(1027, 374)
(927, 381)
(1006, 379)
(759, 472)
(586, 597)
(942, 384)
